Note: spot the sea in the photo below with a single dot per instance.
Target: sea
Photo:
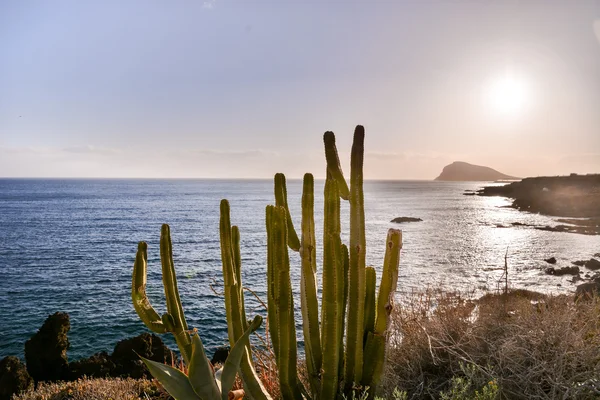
(69, 245)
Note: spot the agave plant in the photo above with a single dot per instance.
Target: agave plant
(202, 382)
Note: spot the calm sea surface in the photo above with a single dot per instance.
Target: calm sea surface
(69, 245)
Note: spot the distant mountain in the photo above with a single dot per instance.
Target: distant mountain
(462, 171)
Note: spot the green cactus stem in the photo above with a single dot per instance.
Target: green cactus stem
(331, 304)
(333, 164)
(281, 201)
(236, 321)
(287, 357)
(369, 301)
(376, 341)
(308, 287)
(356, 274)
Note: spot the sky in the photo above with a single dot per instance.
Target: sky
(245, 89)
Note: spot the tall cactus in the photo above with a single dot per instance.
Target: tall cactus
(349, 304)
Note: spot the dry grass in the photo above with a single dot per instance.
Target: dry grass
(530, 345)
(95, 389)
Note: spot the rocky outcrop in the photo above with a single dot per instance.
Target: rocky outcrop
(14, 377)
(462, 171)
(99, 365)
(563, 271)
(220, 355)
(46, 351)
(587, 290)
(574, 196)
(399, 220)
(126, 355)
(591, 264)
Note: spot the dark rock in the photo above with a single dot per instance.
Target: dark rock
(46, 351)
(592, 264)
(99, 365)
(518, 224)
(587, 290)
(400, 220)
(563, 271)
(597, 255)
(580, 263)
(550, 260)
(220, 355)
(469, 194)
(14, 377)
(128, 363)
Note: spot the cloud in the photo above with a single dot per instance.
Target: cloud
(209, 5)
(88, 149)
(597, 29)
(239, 153)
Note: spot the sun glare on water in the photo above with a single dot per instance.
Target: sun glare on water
(508, 95)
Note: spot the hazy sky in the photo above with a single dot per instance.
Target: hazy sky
(144, 88)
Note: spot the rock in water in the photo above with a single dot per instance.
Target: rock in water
(563, 271)
(551, 260)
(46, 351)
(14, 378)
(400, 220)
(592, 264)
(128, 363)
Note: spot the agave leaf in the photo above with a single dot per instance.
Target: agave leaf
(232, 364)
(200, 373)
(173, 380)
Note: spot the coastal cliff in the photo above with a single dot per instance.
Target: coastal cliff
(462, 171)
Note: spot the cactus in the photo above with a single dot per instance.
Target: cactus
(202, 382)
(349, 303)
(173, 320)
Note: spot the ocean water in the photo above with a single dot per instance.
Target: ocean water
(69, 245)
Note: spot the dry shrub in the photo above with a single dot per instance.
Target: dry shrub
(94, 389)
(533, 346)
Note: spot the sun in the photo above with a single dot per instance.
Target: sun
(508, 95)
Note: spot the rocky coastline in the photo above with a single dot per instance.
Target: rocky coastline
(574, 198)
(46, 359)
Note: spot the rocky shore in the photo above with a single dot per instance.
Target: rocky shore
(46, 359)
(574, 196)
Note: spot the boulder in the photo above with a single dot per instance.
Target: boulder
(551, 260)
(579, 263)
(220, 355)
(597, 255)
(563, 271)
(587, 290)
(400, 220)
(14, 377)
(592, 264)
(126, 355)
(99, 365)
(46, 351)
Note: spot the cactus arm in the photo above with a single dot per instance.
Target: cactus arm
(201, 373)
(333, 164)
(281, 201)
(369, 301)
(356, 275)
(141, 304)
(308, 286)
(286, 362)
(330, 332)
(376, 340)
(237, 263)
(272, 291)
(235, 325)
(174, 308)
